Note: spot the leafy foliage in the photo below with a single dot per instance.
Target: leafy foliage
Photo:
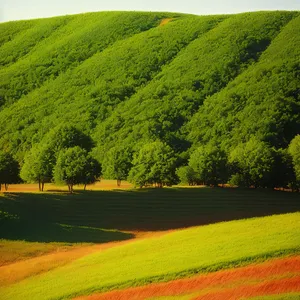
(294, 150)
(209, 164)
(117, 163)
(253, 164)
(9, 170)
(153, 164)
(114, 82)
(66, 136)
(38, 166)
(187, 175)
(75, 166)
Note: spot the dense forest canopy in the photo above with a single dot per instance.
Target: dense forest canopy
(154, 97)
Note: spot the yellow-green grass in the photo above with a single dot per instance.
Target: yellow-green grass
(178, 254)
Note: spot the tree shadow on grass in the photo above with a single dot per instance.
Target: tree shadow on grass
(54, 232)
(137, 210)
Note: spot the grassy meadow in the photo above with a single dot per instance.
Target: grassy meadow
(179, 254)
(50, 222)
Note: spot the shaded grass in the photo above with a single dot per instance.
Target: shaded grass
(58, 220)
(179, 254)
(54, 232)
(146, 209)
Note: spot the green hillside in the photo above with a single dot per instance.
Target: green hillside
(128, 79)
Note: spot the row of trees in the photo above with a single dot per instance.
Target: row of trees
(253, 163)
(65, 156)
(71, 166)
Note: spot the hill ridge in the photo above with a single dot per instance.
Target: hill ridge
(125, 81)
(140, 103)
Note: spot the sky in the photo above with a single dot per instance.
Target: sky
(31, 9)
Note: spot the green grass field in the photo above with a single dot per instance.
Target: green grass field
(37, 223)
(178, 254)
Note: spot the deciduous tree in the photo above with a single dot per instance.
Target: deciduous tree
(187, 174)
(209, 163)
(294, 150)
(75, 166)
(153, 164)
(9, 170)
(253, 162)
(67, 136)
(117, 164)
(38, 166)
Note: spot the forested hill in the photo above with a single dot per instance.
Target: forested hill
(129, 79)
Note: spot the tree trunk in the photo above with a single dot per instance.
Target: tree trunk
(43, 183)
(70, 186)
(6, 186)
(118, 182)
(0, 186)
(84, 188)
(39, 185)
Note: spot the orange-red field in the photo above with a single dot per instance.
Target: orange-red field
(268, 278)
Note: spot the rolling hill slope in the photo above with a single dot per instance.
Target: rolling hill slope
(129, 78)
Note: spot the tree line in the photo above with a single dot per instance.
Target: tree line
(67, 156)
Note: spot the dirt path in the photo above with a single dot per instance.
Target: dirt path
(20, 270)
(165, 21)
(272, 277)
